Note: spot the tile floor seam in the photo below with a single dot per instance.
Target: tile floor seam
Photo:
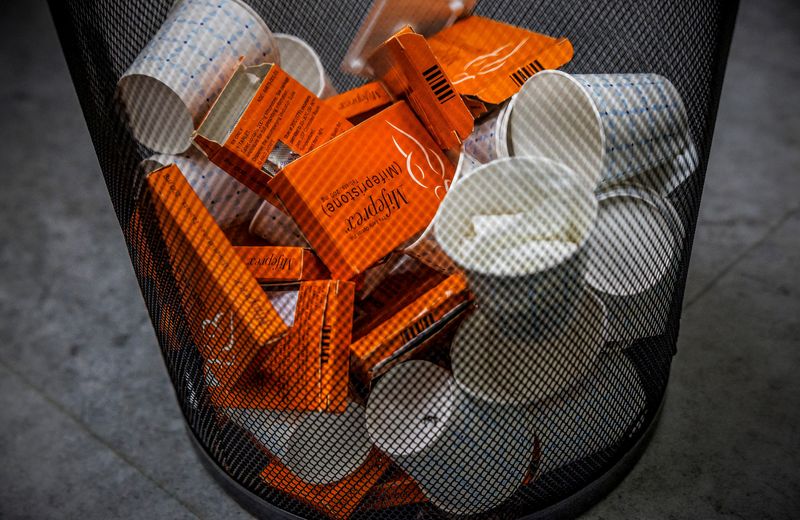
(733, 263)
(83, 426)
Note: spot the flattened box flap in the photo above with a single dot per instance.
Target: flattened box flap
(490, 61)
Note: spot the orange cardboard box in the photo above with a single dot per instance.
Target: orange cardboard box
(261, 117)
(279, 265)
(366, 192)
(314, 353)
(401, 328)
(229, 316)
(396, 492)
(147, 269)
(360, 100)
(409, 70)
(338, 500)
(317, 347)
(489, 61)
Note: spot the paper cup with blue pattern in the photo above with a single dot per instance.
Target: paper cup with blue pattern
(178, 75)
(603, 126)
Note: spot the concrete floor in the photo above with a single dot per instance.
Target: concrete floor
(88, 424)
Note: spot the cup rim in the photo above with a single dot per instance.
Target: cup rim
(664, 208)
(452, 252)
(323, 80)
(131, 84)
(528, 91)
(374, 429)
(587, 300)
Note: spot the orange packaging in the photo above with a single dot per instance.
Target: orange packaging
(409, 70)
(260, 120)
(488, 61)
(400, 328)
(314, 353)
(229, 316)
(315, 347)
(361, 100)
(147, 269)
(396, 492)
(280, 265)
(367, 191)
(239, 235)
(338, 500)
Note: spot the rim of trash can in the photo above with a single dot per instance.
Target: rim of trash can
(570, 507)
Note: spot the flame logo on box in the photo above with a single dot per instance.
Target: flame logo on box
(486, 63)
(416, 171)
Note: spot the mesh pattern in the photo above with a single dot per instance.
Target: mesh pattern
(588, 402)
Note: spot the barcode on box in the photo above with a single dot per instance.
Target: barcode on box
(438, 84)
(522, 74)
(325, 344)
(417, 327)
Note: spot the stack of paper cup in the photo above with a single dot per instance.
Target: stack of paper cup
(518, 227)
(301, 62)
(634, 261)
(320, 448)
(467, 455)
(496, 367)
(489, 139)
(276, 227)
(603, 126)
(597, 414)
(175, 79)
(228, 201)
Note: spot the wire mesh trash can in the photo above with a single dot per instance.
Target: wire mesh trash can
(516, 372)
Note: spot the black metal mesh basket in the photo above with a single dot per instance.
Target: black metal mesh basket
(443, 434)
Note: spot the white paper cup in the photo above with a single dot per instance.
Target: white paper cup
(665, 178)
(634, 257)
(327, 447)
(467, 455)
(494, 367)
(270, 429)
(228, 201)
(302, 63)
(276, 227)
(489, 140)
(320, 448)
(173, 82)
(598, 413)
(518, 228)
(603, 126)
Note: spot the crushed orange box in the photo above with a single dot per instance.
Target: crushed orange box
(280, 265)
(360, 100)
(366, 192)
(338, 500)
(262, 110)
(401, 327)
(409, 70)
(489, 61)
(315, 352)
(230, 318)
